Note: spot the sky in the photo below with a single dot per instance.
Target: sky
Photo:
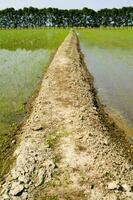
(93, 4)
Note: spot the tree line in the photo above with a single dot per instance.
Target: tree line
(54, 17)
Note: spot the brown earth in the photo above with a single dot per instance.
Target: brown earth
(69, 149)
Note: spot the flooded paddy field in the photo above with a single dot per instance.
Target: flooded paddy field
(109, 58)
(24, 57)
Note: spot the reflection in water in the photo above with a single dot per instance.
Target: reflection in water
(113, 74)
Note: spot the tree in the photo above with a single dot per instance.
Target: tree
(54, 17)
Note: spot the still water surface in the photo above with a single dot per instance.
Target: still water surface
(113, 78)
(20, 72)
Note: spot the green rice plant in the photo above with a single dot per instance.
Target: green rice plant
(31, 39)
(107, 38)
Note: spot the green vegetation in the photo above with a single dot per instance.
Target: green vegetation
(53, 17)
(31, 39)
(53, 138)
(52, 198)
(49, 197)
(20, 74)
(107, 38)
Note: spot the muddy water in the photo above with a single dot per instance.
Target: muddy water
(113, 74)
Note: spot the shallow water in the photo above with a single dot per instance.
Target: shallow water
(20, 73)
(113, 76)
(24, 58)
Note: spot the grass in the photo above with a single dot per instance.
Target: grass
(49, 197)
(24, 58)
(52, 198)
(108, 38)
(53, 138)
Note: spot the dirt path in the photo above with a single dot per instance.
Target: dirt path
(68, 150)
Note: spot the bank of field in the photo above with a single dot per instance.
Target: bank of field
(24, 58)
